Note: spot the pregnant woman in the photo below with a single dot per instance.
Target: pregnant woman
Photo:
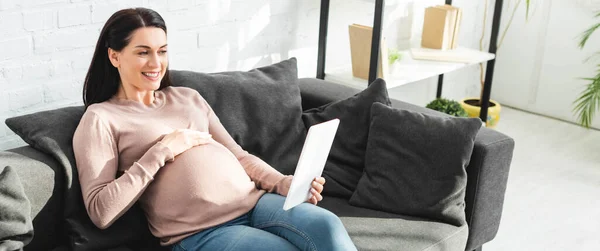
(142, 140)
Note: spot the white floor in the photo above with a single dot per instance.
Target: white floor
(553, 196)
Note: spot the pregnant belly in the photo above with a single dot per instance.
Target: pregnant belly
(208, 173)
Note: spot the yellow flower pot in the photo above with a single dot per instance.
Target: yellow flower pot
(493, 111)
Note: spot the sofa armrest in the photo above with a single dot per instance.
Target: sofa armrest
(43, 182)
(487, 172)
(487, 176)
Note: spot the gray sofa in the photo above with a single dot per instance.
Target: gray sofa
(43, 182)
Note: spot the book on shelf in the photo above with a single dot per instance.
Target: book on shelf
(360, 52)
(458, 55)
(456, 29)
(441, 27)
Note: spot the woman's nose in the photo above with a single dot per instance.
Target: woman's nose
(154, 60)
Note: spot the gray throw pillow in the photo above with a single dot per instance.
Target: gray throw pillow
(415, 164)
(346, 159)
(16, 229)
(52, 132)
(261, 109)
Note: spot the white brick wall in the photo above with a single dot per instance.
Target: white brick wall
(18, 47)
(66, 39)
(47, 44)
(37, 3)
(11, 22)
(74, 15)
(26, 97)
(9, 4)
(39, 20)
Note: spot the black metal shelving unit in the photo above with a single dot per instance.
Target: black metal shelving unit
(376, 41)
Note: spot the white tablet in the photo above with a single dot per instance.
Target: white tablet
(312, 161)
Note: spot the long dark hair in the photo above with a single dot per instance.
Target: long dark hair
(102, 79)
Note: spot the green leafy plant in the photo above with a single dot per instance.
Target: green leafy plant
(393, 56)
(588, 102)
(447, 106)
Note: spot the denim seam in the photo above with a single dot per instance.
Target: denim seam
(181, 246)
(232, 245)
(292, 228)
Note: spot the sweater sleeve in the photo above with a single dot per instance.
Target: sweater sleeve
(106, 197)
(263, 174)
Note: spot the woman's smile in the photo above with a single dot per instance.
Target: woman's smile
(152, 76)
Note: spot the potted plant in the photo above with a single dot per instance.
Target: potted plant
(447, 106)
(588, 102)
(393, 56)
(473, 104)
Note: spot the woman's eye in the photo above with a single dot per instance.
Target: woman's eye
(143, 53)
(163, 52)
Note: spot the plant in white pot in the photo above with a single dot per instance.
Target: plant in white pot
(473, 104)
(588, 102)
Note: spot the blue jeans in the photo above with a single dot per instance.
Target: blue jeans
(268, 227)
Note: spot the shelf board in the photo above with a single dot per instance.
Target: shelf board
(409, 70)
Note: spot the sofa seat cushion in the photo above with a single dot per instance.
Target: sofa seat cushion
(376, 230)
(42, 182)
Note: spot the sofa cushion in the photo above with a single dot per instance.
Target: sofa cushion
(376, 230)
(345, 163)
(52, 132)
(43, 184)
(16, 229)
(261, 109)
(415, 164)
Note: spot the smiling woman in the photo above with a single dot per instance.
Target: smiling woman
(138, 59)
(141, 64)
(143, 140)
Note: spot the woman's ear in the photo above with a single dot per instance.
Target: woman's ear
(113, 56)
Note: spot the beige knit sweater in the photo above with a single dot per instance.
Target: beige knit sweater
(120, 160)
